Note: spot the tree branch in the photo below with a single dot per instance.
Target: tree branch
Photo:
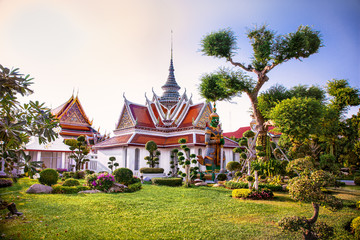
(249, 69)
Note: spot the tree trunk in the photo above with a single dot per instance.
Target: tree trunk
(308, 234)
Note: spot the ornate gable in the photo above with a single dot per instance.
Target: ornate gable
(74, 115)
(204, 118)
(125, 120)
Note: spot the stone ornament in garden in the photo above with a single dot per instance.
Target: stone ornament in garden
(39, 188)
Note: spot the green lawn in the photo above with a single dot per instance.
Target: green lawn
(159, 212)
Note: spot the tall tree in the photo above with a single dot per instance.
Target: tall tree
(269, 50)
(79, 150)
(19, 122)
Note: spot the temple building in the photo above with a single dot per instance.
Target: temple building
(73, 122)
(163, 119)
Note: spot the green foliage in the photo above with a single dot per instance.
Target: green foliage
(18, 122)
(298, 118)
(221, 177)
(302, 165)
(48, 176)
(79, 174)
(221, 44)
(185, 159)
(134, 187)
(344, 95)
(236, 185)
(29, 166)
(79, 150)
(233, 166)
(355, 227)
(61, 189)
(250, 178)
(151, 170)
(71, 182)
(328, 163)
(240, 193)
(224, 84)
(319, 230)
(123, 176)
(263, 194)
(173, 182)
(153, 157)
(357, 181)
(112, 164)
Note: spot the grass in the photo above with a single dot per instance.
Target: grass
(160, 212)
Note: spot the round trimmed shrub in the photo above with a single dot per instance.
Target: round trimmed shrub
(123, 175)
(250, 178)
(357, 181)
(241, 193)
(221, 177)
(71, 182)
(48, 176)
(5, 183)
(151, 170)
(233, 166)
(355, 227)
(172, 182)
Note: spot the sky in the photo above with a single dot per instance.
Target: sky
(102, 50)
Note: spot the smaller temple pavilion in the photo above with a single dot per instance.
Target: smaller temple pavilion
(163, 119)
(73, 123)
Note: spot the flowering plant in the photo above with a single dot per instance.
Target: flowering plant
(263, 194)
(103, 182)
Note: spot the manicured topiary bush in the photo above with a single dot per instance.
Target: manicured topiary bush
(80, 174)
(241, 193)
(48, 176)
(355, 227)
(60, 189)
(357, 181)
(173, 182)
(104, 182)
(235, 185)
(5, 183)
(221, 177)
(71, 182)
(151, 170)
(134, 187)
(123, 175)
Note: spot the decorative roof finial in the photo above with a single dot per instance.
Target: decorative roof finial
(171, 44)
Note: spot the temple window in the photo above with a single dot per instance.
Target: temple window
(137, 158)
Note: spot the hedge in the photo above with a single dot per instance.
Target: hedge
(151, 170)
(134, 187)
(241, 193)
(59, 189)
(173, 182)
(237, 185)
(5, 183)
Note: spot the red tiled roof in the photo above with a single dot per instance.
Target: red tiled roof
(239, 133)
(141, 114)
(191, 115)
(114, 141)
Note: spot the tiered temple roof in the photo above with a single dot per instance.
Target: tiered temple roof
(74, 122)
(163, 119)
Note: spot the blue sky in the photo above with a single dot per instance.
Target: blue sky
(103, 50)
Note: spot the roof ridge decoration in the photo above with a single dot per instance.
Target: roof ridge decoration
(126, 119)
(63, 112)
(203, 116)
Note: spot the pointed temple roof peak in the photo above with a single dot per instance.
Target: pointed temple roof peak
(171, 89)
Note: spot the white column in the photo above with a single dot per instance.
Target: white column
(63, 160)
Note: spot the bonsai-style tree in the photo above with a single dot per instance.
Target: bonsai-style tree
(307, 188)
(19, 122)
(174, 162)
(185, 160)
(153, 157)
(79, 150)
(269, 51)
(112, 163)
